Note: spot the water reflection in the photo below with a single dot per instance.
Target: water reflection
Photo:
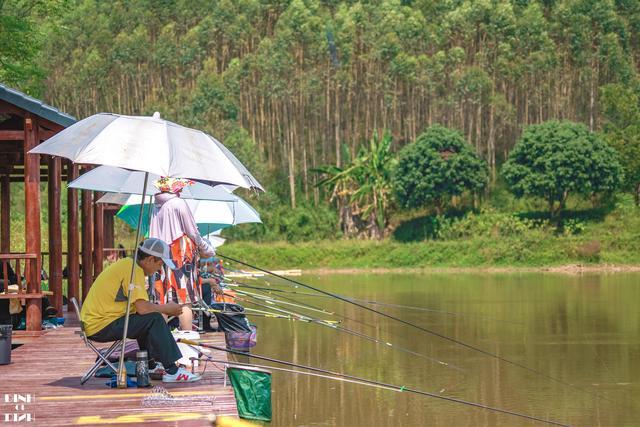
(581, 330)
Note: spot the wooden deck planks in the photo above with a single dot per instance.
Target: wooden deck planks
(49, 369)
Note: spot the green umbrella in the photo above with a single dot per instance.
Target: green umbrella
(129, 214)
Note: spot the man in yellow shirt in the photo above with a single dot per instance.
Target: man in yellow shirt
(105, 306)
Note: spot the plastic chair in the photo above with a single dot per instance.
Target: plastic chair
(103, 357)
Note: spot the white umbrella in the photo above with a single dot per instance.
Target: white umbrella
(215, 240)
(148, 144)
(111, 179)
(210, 212)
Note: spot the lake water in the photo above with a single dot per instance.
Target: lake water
(580, 330)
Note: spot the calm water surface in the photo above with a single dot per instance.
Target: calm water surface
(583, 330)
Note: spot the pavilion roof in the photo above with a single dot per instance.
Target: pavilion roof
(35, 106)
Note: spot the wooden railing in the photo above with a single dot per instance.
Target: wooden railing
(22, 265)
(27, 288)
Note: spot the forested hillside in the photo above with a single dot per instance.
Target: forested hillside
(292, 86)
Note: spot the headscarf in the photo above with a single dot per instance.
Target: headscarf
(166, 184)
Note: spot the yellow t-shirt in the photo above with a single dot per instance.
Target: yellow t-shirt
(107, 297)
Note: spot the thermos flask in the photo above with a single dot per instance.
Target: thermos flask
(142, 369)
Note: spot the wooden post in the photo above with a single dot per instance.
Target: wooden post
(98, 235)
(73, 237)
(55, 232)
(32, 220)
(109, 236)
(87, 246)
(5, 218)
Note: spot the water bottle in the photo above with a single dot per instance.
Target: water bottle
(142, 369)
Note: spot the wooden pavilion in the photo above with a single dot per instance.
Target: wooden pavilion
(24, 123)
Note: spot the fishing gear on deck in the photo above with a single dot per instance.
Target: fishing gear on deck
(426, 330)
(365, 381)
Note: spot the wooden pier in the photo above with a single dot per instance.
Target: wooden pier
(42, 383)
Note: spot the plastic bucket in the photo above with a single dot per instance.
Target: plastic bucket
(5, 344)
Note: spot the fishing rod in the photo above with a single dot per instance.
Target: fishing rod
(302, 306)
(413, 325)
(334, 325)
(372, 382)
(269, 367)
(256, 312)
(268, 290)
(248, 311)
(286, 312)
(237, 313)
(408, 307)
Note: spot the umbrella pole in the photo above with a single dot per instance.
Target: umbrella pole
(122, 371)
(149, 215)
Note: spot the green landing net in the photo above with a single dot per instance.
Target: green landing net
(252, 388)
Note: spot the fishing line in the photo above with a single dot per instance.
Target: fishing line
(313, 374)
(352, 332)
(428, 331)
(337, 327)
(372, 382)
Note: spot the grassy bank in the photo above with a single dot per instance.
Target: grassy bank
(483, 240)
(533, 252)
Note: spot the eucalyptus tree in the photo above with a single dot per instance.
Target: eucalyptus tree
(485, 29)
(621, 108)
(591, 30)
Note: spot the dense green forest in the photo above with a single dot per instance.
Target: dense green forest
(324, 100)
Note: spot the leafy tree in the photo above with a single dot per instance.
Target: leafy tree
(554, 159)
(436, 167)
(365, 184)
